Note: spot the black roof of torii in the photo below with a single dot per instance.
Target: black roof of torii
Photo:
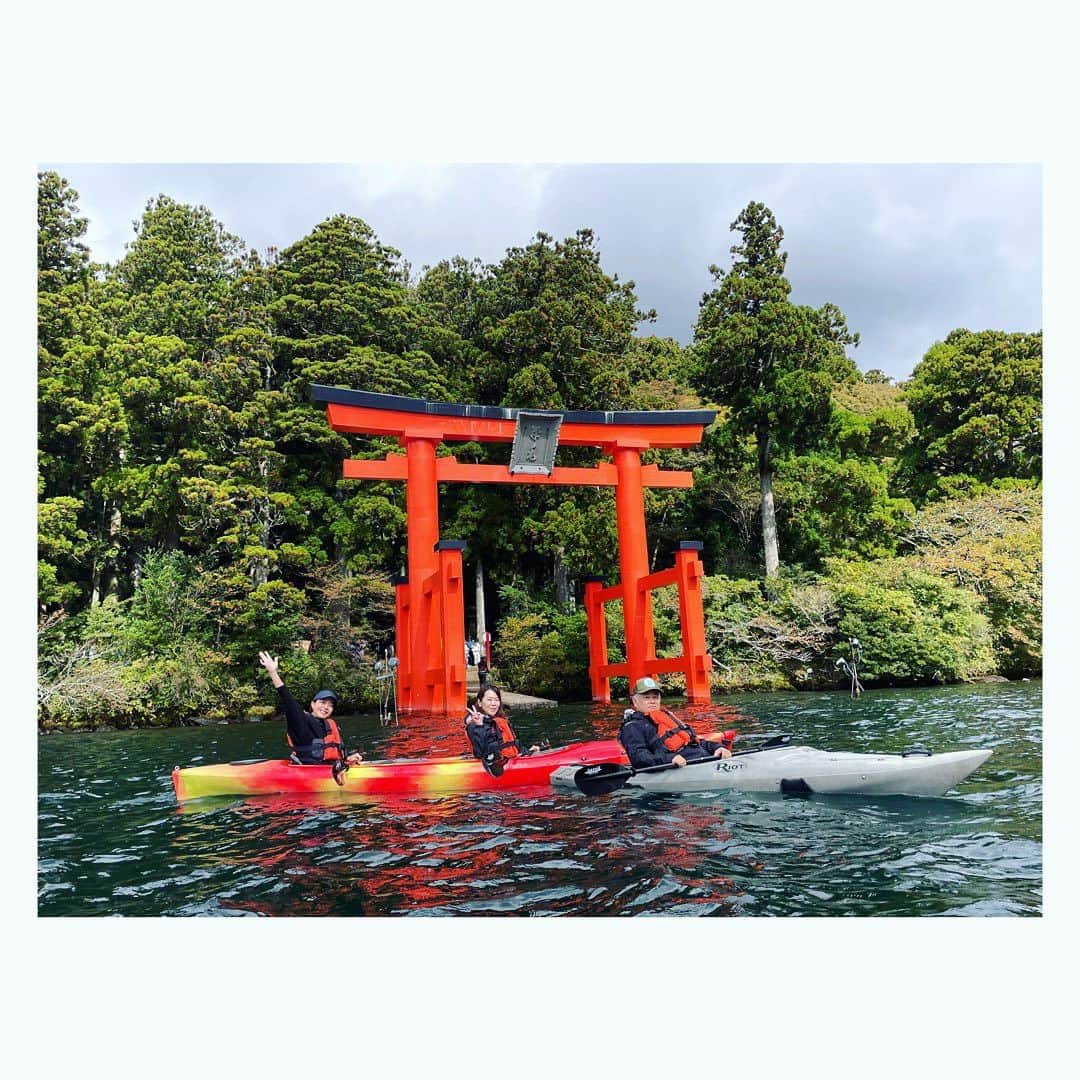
(367, 400)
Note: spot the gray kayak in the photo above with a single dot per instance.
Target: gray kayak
(790, 769)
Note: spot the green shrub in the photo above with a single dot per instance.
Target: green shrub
(152, 660)
(913, 627)
(831, 507)
(957, 486)
(666, 627)
(769, 641)
(305, 673)
(1012, 584)
(545, 654)
(190, 680)
(992, 545)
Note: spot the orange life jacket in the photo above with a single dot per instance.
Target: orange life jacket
(673, 733)
(510, 746)
(328, 748)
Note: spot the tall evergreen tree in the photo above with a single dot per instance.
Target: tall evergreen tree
(344, 314)
(62, 257)
(559, 326)
(168, 299)
(774, 363)
(80, 425)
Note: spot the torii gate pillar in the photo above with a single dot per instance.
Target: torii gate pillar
(633, 556)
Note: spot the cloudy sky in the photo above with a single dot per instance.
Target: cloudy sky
(908, 252)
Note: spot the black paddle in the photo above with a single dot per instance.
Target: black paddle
(608, 777)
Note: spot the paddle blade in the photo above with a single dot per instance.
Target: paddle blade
(601, 779)
(774, 742)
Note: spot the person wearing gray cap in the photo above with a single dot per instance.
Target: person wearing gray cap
(313, 736)
(652, 735)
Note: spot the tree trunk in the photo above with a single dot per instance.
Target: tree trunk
(135, 563)
(562, 583)
(768, 507)
(481, 622)
(103, 581)
(260, 569)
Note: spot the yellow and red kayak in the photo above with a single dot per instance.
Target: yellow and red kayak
(419, 776)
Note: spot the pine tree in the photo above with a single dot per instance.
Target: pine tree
(773, 363)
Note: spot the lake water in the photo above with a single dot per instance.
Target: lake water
(112, 840)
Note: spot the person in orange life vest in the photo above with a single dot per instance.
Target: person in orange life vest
(489, 732)
(652, 735)
(314, 736)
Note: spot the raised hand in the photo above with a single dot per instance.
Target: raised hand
(271, 664)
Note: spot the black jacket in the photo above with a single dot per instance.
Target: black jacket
(304, 728)
(486, 739)
(643, 746)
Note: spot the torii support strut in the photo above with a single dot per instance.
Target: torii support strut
(430, 625)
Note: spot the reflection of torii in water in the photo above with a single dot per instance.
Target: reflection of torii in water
(430, 625)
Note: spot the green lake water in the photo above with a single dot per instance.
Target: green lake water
(112, 840)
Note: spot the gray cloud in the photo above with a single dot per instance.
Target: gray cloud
(907, 252)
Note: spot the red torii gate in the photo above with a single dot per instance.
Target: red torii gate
(430, 626)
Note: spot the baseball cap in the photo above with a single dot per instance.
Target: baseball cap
(643, 686)
(325, 694)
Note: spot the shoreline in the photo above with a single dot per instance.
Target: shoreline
(525, 701)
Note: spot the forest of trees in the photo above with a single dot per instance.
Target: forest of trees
(192, 509)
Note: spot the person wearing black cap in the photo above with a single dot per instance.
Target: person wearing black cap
(653, 735)
(313, 736)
